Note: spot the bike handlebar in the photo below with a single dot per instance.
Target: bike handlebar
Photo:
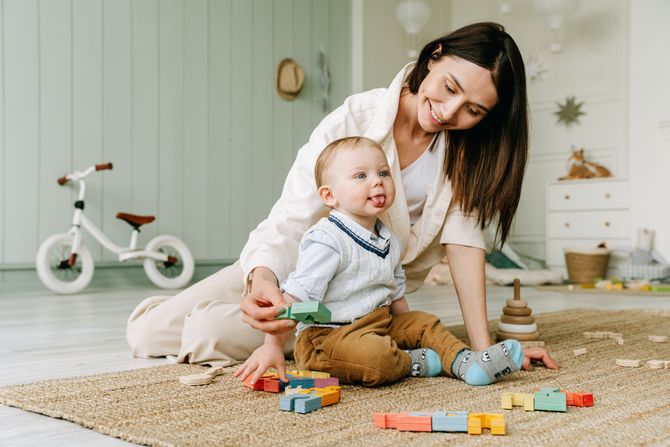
(100, 167)
(103, 166)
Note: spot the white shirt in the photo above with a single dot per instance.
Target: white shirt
(346, 267)
(417, 178)
(274, 243)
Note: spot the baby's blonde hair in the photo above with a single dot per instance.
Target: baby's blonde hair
(328, 154)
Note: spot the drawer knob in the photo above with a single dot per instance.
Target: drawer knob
(607, 224)
(567, 224)
(608, 195)
(567, 197)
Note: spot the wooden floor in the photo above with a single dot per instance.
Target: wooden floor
(45, 336)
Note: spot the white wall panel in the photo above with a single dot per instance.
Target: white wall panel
(178, 94)
(22, 129)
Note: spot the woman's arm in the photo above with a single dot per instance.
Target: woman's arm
(467, 270)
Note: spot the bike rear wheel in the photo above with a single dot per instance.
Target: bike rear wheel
(174, 273)
(54, 269)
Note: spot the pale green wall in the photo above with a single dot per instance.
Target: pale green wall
(178, 94)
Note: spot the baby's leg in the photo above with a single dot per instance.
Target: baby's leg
(358, 353)
(420, 329)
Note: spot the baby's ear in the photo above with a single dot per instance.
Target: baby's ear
(327, 196)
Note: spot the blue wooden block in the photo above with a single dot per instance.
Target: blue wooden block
(308, 405)
(550, 399)
(451, 421)
(305, 382)
(287, 403)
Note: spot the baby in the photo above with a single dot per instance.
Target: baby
(351, 263)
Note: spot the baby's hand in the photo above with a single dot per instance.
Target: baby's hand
(540, 354)
(267, 356)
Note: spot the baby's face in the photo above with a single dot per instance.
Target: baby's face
(360, 179)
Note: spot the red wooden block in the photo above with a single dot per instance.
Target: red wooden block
(259, 385)
(579, 399)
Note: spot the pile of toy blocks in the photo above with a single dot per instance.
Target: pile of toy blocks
(307, 312)
(547, 399)
(300, 378)
(443, 421)
(310, 399)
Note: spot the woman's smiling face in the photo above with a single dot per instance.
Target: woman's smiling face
(455, 95)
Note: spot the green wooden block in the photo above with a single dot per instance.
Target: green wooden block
(550, 399)
(308, 312)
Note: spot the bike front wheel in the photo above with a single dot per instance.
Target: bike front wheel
(174, 273)
(54, 269)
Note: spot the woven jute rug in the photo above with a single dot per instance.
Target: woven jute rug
(149, 406)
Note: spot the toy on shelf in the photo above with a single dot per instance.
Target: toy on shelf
(308, 312)
(546, 399)
(204, 378)
(310, 399)
(442, 421)
(301, 378)
(517, 321)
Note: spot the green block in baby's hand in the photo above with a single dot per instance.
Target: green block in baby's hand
(307, 312)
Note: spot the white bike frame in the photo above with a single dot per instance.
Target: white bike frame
(80, 221)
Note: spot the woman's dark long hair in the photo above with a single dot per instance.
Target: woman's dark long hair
(486, 164)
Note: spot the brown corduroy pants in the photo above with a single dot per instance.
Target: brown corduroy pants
(369, 351)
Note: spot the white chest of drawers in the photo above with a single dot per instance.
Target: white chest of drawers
(583, 213)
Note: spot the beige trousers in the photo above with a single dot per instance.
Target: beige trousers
(202, 324)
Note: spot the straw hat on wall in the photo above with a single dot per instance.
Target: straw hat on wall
(290, 78)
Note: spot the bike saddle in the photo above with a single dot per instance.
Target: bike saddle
(134, 220)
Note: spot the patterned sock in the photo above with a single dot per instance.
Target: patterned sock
(425, 363)
(490, 365)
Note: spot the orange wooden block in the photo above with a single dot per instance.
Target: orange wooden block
(415, 422)
(385, 420)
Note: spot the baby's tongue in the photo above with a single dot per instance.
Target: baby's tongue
(378, 200)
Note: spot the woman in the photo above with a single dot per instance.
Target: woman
(455, 132)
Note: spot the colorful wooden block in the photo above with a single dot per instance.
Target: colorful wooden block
(308, 405)
(305, 382)
(326, 382)
(287, 403)
(329, 395)
(291, 390)
(450, 421)
(525, 400)
(492, 421)
(578, 399)
(259, 385)
(415, 421)
(307, 312)
(550, 399)
(385, 420)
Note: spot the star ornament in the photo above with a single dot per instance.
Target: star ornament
(569, 112)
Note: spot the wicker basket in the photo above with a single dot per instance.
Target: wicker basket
(585, 265)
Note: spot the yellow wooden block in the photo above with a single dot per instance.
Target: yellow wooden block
(474, 425)
(493, 421)
(525, 400)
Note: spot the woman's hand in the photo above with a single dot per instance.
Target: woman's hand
(269, 355)
(263, 303)
(539, 354)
